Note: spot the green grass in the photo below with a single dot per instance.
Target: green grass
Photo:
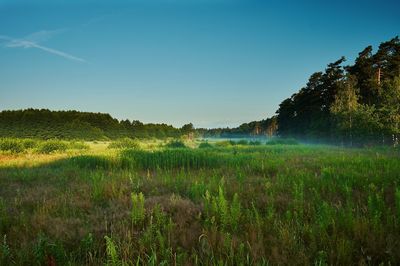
(17, 146)
(242, 204)
(125, 143)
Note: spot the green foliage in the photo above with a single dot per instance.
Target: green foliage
(78, 145)
(235, 212)
(125, 143)
(157, 237)
(47, 251)
(51, 146)
(348, 104)
(86, 245)
(16, 145)
(4, 217)
(93, 162)
(397, 196)
(174, 159)
(11, 145)
(241, 205)
(205, 145)
(112, 254)
(46, 124)
(5, 252)
(224, 143)
(175, 144)
(138, 210)
(242, 142)
(254, 143)
(29, 143)
(226, 214)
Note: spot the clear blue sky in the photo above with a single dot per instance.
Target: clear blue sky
(210, 62)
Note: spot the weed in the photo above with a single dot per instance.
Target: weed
(138, 210)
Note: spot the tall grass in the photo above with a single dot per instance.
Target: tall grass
(137, 211)
(235, 205)
(125, 143)
(178, 159)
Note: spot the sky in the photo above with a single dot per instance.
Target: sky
(214, 63)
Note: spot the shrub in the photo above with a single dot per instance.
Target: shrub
(232, 142)
(255, 143)
(125, 143)
(29, 143)
(242, 142)
(176, 144)
(78, 145)
(11, 145)
(205, 145)
(50, 146)
(224, 143)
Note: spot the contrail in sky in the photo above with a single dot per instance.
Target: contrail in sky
(26, 43)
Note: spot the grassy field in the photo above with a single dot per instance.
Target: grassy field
(133, 203)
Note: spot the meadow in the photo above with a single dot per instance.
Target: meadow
(192, 202)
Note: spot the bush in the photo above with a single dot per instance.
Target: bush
(224, 143)
(78, 145)
(205, 145)
(50, 146)
(242, 142)
(11, 145)
(125, 143)
(255, 143)
(29, 143)
(232, 142)
(176, 144)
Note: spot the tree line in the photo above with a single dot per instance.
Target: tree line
(46, 124)
(264, 128)
(355, 104)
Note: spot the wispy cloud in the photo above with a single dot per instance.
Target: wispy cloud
(32, 41)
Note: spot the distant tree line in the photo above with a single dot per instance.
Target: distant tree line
(46, 124)
(355, 105)
(264, 128)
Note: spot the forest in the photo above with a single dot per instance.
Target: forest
(355, 104)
